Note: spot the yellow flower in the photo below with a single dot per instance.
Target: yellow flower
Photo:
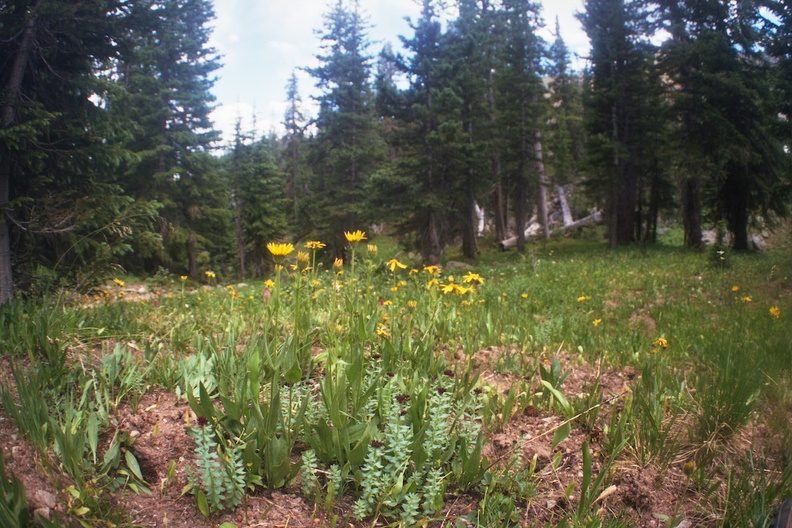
(314, 244)
(210, 274)
(302, 256)
(583, 298)
(355, 236)
(473, 278)
(387, 302)
(382, 330)
(432, 283)
(269, 283)
(735, 288)
(412, 305)
(432, 270)
(524, 295)
(280, 250)
(596, 322)
(338, 263)
(119, 282)
(413, 271)
(775, 311)
(183, 278)
(661, 342)
(746, 299)
(372, 248)
(465, 302)
(392, 264)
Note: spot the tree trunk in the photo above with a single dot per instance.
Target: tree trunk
(691, 212)
(541, 201)
(431, 246)
(192, 255)
(469, 220)
(594, 218)
(566, 212)
(7, 117)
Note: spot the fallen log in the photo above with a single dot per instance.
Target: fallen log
(533, 230)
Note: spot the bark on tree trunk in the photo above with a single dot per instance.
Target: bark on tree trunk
(192, 255)
(566, 212)
(11, 92)
(541, 202)
(431, 246)
(691, 212)
(469, 220)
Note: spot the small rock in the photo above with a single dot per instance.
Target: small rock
(142, 290)
(133, 434)
(456, 265)
(42, 512)
(45, 499)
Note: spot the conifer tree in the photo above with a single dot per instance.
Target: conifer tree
(347, 148)
(613, 109)
(731, 161)
(520, 99)
(58, 207)
(165, 68)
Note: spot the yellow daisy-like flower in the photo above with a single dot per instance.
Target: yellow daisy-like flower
(280, 250)
(413, 271)
(584, 298)
(735, 288)
(473, 278)
(596, 322)
(210, 274)
(338, 263)
(119, 282)
(661, 342)
(524, 295)
(302, 256)
(392, 264)
(412, 305)
(432, 270)
(432, 283)
(372, 248)
(269, 283)
(355, 236)
(775, 311)
(387, 302)
(382, 330)
(314, 244)
(746, 299)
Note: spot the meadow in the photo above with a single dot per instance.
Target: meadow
(570, 385)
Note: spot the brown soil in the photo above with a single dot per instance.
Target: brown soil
(641, 495)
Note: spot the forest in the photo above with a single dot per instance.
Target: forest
(109, 157)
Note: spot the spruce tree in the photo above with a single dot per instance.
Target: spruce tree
(166, 68)
(347, 148)
(732, 163)
(58, 150)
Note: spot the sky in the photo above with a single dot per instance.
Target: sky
(262, 42)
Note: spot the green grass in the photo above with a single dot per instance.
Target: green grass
(373, 374)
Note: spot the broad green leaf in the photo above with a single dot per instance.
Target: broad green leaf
(561, 434)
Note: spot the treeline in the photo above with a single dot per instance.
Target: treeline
(106, 141)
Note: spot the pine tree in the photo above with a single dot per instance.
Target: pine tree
(613, 109)
(347, 148)
(165, 69)
(520, 99)
(731, 161)
(57, 147)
